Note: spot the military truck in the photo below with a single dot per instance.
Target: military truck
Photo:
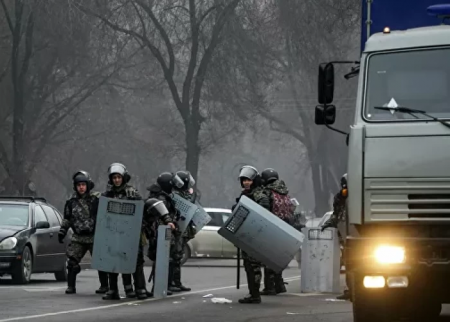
(397, 252)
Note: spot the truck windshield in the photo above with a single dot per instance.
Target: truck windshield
(418, 79)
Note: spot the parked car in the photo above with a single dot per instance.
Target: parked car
(207, 242)
(29, 239)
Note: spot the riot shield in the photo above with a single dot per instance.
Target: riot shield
(117, 234)
(200, 219)
(320, 270)
(162, 262)
(262, 235)
(187, 211)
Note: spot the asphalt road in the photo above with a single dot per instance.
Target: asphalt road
(44, 300)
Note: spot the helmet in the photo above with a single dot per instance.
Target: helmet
(248, 172)
(186, 177)
(82, 176)
(119, 168)
(167, 181)
(154, 208)
(269, 175)
(344, 181)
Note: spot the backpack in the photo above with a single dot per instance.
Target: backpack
(282, 207)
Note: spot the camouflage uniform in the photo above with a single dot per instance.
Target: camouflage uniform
(157, 193)
(253, 267)
(273, 282)
(139, 279)
(178, 246)
(80, 215)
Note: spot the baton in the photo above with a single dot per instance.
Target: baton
(152, 273)
(238, 277)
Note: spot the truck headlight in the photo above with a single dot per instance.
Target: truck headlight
(8, 243)
(390, 254)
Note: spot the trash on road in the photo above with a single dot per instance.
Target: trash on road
(292, 313)
(220, 300)
(334, 300)
(176, 302)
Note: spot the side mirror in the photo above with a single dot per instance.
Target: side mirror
(325, 115)
(326, 83)
(42, 225)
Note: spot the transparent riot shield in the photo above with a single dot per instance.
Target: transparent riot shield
(262, 235)
(187, 211)
(117, 234)
(200, 219)
(162, 261)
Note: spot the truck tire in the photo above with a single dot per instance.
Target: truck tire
(368, 305)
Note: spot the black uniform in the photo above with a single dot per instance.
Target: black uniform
(177, 251)
(161, 190)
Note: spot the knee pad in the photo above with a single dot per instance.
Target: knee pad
(73, 266)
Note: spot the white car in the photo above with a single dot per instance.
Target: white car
(207, 242)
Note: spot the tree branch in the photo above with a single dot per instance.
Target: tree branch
(8, 17)
(206, 59)
(163, 33)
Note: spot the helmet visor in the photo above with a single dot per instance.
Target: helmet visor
(248, 172)
(116, 168)
(177, 182)
(159, 208)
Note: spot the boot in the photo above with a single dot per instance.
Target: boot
(104, 287)
(129, 292)
(269, 283)
(170, 285)
(177, 279)
(71, 282)
(344, 296)
(254, 297)
(113, 293)
(280, 285)
(141, 294)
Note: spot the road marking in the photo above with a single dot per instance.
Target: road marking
(43, 289)
(305, 294)
(30, 317)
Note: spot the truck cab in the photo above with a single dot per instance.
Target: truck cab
(397, 251)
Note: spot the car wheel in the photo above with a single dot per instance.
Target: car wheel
(187, 254)
(22, 274)
(61, 276)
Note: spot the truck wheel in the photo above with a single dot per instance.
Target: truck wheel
(428, 311)
(368, 305)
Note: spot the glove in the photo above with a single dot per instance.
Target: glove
(327, 224)
(130, 193)
(61, 236)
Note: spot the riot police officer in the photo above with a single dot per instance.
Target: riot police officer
(338, 218)
(250, 181)
(80, 215)
(181, 241)
(120, 188)
(161, 190)
(273, 282)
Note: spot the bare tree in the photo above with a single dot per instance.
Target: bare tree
(56, 64)
(183, 37)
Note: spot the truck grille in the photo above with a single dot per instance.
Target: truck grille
(440, 202)
(407, 200)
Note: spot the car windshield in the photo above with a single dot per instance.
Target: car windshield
(418, 79)
(14, 215)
